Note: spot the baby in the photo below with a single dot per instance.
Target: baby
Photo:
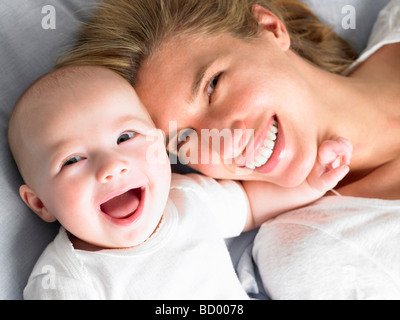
(83, 143)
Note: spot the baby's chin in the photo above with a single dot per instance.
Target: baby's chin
(93, 246)
(137, 237)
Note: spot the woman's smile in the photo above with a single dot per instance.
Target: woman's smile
(259, 149)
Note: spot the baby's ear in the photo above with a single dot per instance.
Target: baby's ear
(35, 204)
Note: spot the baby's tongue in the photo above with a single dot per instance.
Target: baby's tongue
(122, 206)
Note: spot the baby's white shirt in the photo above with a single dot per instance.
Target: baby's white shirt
(186, 258)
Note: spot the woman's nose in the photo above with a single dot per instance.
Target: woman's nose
(111, 168)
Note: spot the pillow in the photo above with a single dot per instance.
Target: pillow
(339, 13)
(30, 41)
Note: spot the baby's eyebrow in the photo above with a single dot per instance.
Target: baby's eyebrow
(60, 153)
(133, 123)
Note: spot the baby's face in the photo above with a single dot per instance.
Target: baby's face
(101, 168)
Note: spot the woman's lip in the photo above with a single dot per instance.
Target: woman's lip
(276, 156)
(133, 216)
(254, 145)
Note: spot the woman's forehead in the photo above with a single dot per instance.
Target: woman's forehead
(180, 61)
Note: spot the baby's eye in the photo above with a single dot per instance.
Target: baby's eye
(72, 161)
(125, 137)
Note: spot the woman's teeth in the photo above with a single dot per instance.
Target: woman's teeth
(264, 154)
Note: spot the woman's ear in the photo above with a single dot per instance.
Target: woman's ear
(35, 204)
(270, 22)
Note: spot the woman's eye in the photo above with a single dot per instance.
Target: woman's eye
(72, 161)
(212, 85)
(125, 137)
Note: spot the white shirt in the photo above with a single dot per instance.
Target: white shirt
(336, 248)
(386, 31)
(185, 259)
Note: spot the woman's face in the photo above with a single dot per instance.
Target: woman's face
(231, 93)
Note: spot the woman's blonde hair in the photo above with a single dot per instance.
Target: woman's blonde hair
(122, 33)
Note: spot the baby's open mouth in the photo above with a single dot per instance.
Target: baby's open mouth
(124, 205)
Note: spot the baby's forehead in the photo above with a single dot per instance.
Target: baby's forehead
(49, 88)
(60, 80)
(67, 82)
(77, 90)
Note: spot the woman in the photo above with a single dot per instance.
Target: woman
(244, 65)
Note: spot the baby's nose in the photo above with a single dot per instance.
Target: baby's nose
(110, 169)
